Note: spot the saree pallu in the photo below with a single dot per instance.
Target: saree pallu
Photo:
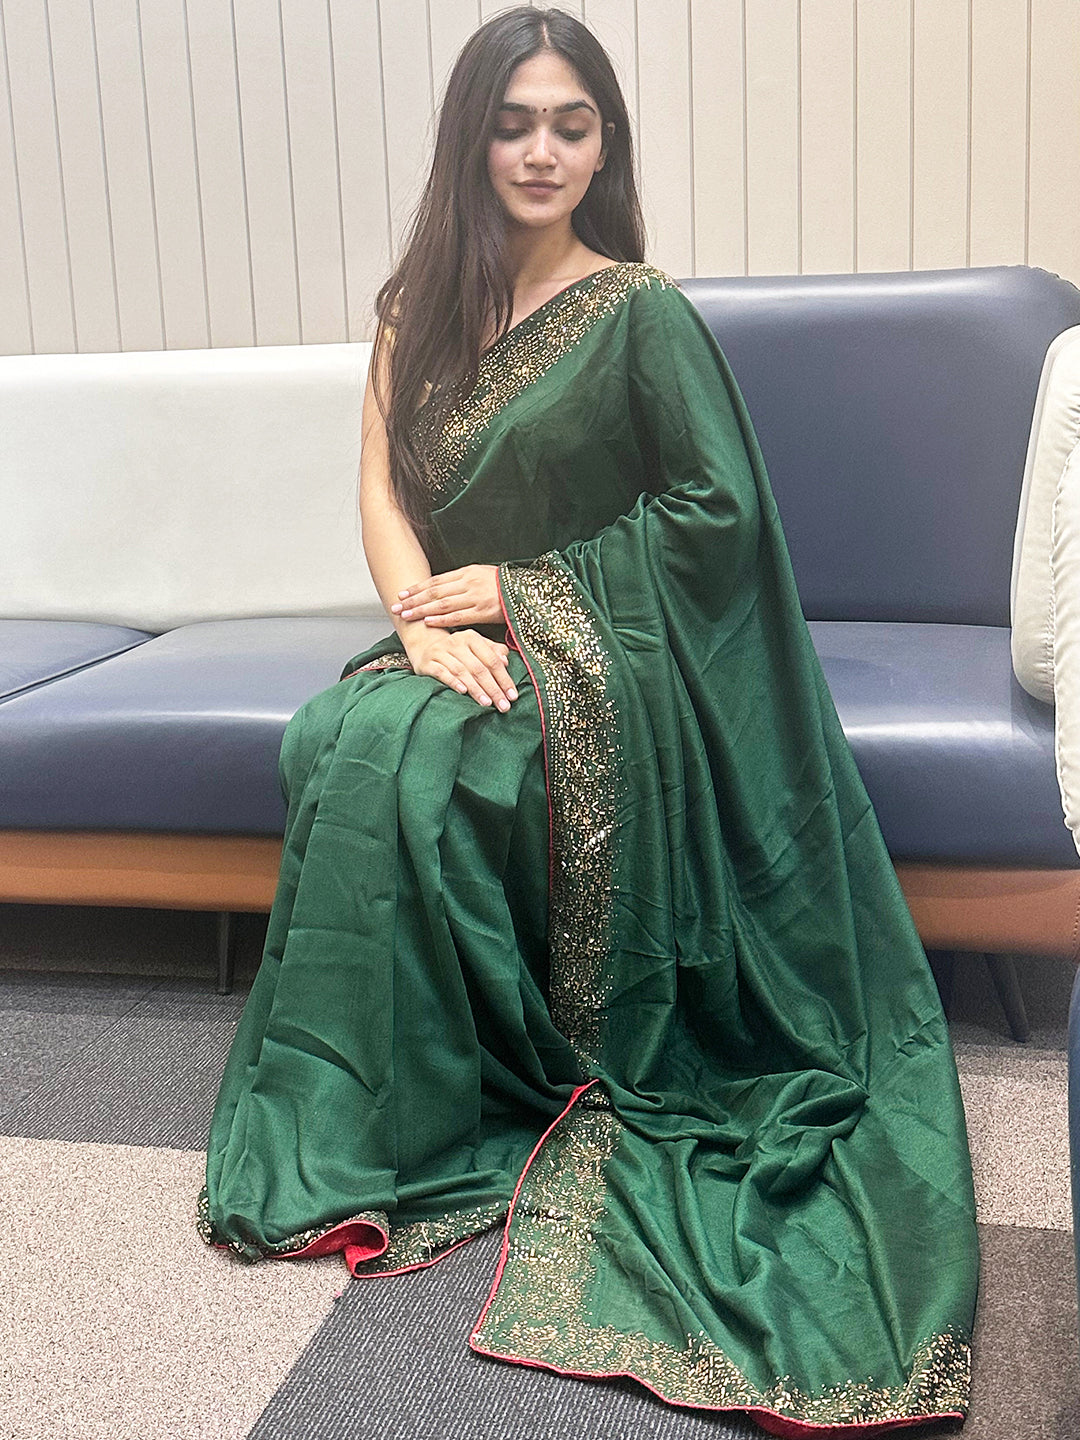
(627, 969)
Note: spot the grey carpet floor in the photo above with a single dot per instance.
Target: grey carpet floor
(123, 1326)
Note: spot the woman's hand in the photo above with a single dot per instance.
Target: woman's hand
(469, 596)
(467, 662)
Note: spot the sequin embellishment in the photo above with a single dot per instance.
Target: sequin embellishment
(395, 660)
(425, 1240)
(539, 1310)
(557, 630)
(447, 434)
(250, 1251)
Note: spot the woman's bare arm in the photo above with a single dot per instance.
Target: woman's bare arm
(462, 659)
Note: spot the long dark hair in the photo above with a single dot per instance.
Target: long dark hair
(451, 274)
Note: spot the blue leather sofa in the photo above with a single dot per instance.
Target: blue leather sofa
(139, 767)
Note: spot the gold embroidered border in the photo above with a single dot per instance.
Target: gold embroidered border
(395, 660)
(250, 1252)
(424, 1240)
(538, 1312)
(557, 630)
(448, 433)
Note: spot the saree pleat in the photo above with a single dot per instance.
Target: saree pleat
(628, 968)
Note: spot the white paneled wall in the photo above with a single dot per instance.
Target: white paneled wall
(179, 173)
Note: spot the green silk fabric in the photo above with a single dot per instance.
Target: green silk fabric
(627, 969)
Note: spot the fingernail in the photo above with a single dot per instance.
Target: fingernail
(485, 699)
(394, 609)
(405, 613)
(504, 705)
(402, 594)
(512, 694)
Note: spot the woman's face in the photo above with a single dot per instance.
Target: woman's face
(547, 142)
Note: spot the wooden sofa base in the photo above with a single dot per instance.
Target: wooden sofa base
(956, 907)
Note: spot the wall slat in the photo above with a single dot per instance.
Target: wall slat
(175, 176)
(93, 285)
(614, 23)
(221, 172)
(265, 139)
(827, 78)
(451, 22)
(1054, 215)
(772, 136)
(719, 137)
(999, 45)
(362, 144)
(127, 159)
(407, 102)
(44, 220)
(940, 140)
(313, 149)
(883, 123)
(15, 331)
(665, 133)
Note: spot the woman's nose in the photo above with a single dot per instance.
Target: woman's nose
(540, 150)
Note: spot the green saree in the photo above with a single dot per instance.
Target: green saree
(626, 970)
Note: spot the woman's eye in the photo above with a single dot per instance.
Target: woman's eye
(573, 135)
(508, 134)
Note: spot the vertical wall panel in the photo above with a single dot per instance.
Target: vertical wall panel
(827, 114)
(362, 146)
(719, 138)
(1054, 214)
(36, 146)
(940, 141)
(127, 158)
(883, 123)
(665, 134)
(175, 177)
(772, 136)
(264, 130)
(614, 23)
(16, 337)
(407, 106)
(313, 151)
(999, 48)
(221, 172)
(97, 324)
(450, 23)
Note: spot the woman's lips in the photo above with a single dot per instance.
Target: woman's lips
(538, 189)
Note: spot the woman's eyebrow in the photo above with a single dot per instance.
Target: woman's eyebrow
(558, 110)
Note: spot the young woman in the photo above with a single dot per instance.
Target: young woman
(585, 925)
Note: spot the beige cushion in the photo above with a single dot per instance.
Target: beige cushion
(1045, 595)
(157, 488)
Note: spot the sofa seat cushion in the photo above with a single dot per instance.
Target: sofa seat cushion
(957, 757)
(179, 734)
(33, 652)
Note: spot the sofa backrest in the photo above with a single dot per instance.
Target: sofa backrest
(893, 411)
(153, 489)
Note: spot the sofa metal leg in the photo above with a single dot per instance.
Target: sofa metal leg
(943, 964)
(226, 935)
(1003, 973)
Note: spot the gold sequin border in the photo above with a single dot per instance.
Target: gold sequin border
(538, 1311)
(445, 436)
(250, 1252)
(395, 660)
(422, 1241)
(556, 630)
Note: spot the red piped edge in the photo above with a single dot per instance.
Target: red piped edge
(364, 1239)
(769, 1420)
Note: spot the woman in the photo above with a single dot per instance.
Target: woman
(585, 926)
